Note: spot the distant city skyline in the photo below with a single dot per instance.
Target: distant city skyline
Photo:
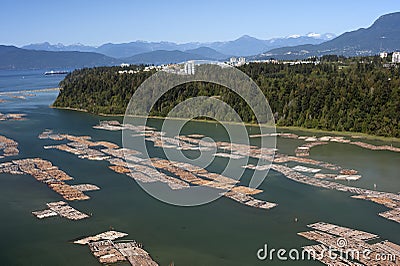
(98, 22)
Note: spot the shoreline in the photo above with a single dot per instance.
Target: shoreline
(70, 109)
(28, 91)
(295, 128)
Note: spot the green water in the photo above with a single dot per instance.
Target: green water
(219, 233)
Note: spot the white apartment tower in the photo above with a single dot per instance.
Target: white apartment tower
(396, 57)
(189, 68)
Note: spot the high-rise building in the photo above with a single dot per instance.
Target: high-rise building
(396, 57)
(189, 68)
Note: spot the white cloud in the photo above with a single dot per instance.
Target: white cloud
(314, 35)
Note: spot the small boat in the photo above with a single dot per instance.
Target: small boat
(47, 73)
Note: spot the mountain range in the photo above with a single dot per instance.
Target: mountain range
(243, 46)
(382, 35)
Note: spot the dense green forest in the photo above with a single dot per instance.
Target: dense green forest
(341, 94)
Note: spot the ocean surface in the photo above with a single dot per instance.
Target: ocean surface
(222, 232)
(17, 80)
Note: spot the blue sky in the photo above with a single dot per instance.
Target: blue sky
(94, 22)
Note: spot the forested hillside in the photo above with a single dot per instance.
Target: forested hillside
(356, 94)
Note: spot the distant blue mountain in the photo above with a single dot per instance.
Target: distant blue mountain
(123, 50)
(207, 52)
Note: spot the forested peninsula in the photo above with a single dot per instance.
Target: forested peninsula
(360, 94)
